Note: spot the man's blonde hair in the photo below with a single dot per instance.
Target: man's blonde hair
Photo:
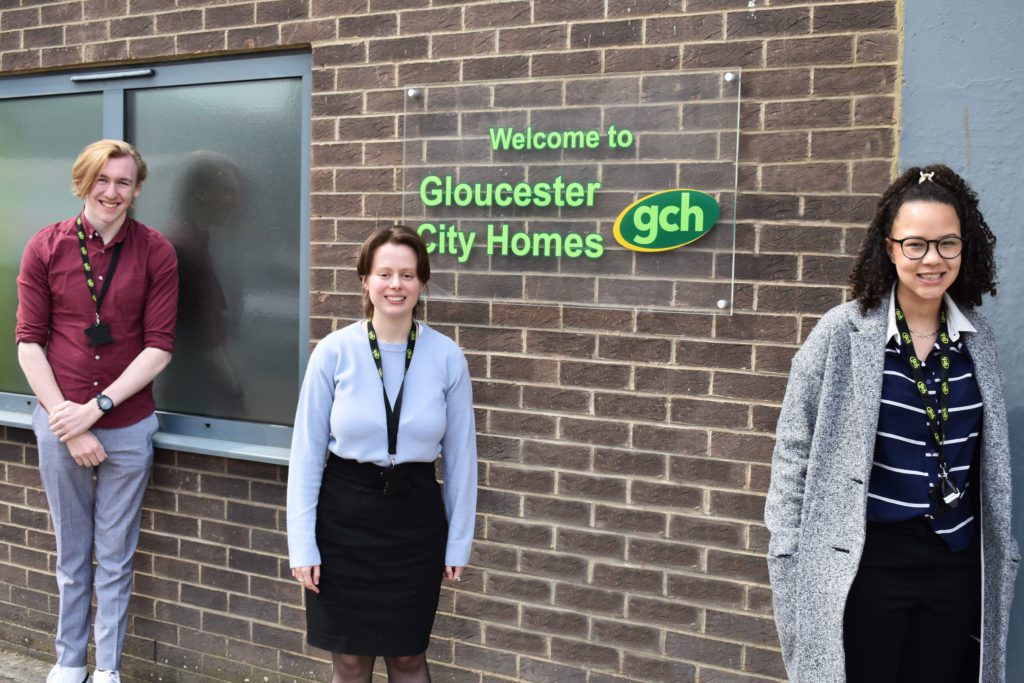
(92, 159)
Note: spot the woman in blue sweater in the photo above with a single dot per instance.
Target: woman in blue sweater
(370, 535)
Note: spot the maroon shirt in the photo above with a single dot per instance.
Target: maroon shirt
(54, 308)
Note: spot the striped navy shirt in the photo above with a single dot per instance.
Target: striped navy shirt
(906, 462)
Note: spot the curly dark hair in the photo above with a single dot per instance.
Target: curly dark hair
(874, 274)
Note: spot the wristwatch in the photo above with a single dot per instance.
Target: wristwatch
(104, 402)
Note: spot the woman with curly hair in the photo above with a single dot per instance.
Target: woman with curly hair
(891, 557)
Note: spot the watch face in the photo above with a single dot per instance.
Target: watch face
(104, 403)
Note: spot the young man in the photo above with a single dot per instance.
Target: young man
(97, 305)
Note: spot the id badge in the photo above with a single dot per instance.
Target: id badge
(99, 334)
(946, 496)
(394, 481)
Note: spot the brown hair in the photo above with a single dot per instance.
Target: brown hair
(873, 274)
(395, 234)
(91, 160)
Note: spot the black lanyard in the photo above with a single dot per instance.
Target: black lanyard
(392, 414)
(947, 493)
(98, 300)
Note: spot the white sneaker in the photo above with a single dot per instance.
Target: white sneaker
(67, 674)
(105, 677)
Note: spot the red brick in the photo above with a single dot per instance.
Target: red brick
(741, 567)
(516, 641)
(570, 623)
(851, 144)
(877, 47)
(564, 63)
(706, 591)
(668, 612)
(554, 565)
(709, 413)
(230, 16)
(13, 19)
(641, 59)
(566, 10)
(537, 38)
(487, 68)
(589, 599)
(750, 629)
(605, 34)
(690, 28)
(708, 471)
(810, 51)
(849, 17)
(656, 670)
(706, 55)
(628, 578)
(768, 22)
(859, 80)
(600, 432)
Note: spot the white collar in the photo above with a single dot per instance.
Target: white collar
(956, 322)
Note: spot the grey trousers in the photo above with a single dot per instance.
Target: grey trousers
(95, 508)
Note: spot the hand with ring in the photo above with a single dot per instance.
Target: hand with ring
(309, 577)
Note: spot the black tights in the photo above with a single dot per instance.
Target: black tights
(359, 668)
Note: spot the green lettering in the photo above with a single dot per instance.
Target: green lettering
(427, 228)
(574, 194)
(558, 186)
(686, 211)
(645, 220)
(595, 245)
(520, 244)
(541, 195)
(523, 195)
(494, 239)
(550, 241)
(430, 191)
(500, 137)
(501, 197)
(573, 245)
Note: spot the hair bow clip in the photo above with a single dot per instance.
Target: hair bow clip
(925, 176)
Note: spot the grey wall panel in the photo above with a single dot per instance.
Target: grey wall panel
(963, 103)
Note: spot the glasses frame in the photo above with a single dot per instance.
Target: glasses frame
(928, 245)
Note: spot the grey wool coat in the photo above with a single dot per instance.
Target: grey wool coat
(817, 500)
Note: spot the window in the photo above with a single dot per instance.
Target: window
(227, 145)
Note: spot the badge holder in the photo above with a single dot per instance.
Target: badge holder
(395, 481)
(99, 333)
(946, 495)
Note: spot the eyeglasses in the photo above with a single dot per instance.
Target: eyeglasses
(916, 248)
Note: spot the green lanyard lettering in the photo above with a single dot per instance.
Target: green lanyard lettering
(98, 300)
(392, 414)
(948, 495)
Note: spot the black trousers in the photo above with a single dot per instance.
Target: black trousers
(913, 613)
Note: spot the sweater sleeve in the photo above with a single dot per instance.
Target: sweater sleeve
(458, 450)
(308, 455)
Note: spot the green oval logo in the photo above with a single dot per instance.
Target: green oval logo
(666, 220)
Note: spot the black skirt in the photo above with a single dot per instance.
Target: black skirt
(381, 561)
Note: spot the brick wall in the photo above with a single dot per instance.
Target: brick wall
(619, 534)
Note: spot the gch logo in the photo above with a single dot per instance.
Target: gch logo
(666, 220)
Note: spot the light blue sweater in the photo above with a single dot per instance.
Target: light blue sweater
(341, 410)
